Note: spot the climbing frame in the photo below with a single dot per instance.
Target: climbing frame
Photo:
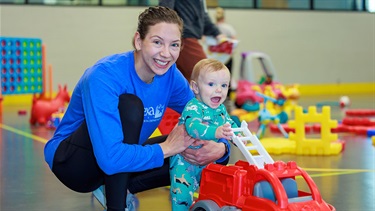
(327, 144)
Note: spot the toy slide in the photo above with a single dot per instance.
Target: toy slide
(258, 160)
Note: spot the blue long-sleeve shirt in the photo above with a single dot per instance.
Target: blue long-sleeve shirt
(95, 99)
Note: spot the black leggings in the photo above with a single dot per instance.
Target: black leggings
(76, 167)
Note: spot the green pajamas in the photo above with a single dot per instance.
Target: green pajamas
(201, 122)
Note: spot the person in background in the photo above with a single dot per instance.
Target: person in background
(102, 143)
(225, 29)
(205, 117)
(228, 31)
(197, 24)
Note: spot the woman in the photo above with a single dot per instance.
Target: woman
(115, 107)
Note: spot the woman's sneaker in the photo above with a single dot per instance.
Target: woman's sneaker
(132, 201)
(99, 194)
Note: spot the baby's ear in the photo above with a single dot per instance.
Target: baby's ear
(194, 87)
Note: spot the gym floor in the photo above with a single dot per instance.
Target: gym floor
(346, 180)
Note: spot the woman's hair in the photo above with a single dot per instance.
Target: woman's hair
(210, 65)
(154, 15)
(219, 14)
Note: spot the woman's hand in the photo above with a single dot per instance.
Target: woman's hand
(177, 141)
(208, 153)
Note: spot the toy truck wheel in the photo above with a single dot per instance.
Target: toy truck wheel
(205, 205)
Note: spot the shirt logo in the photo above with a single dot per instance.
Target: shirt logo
(159, 111)
(152, 113)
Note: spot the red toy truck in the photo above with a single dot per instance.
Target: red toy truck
(259, 184)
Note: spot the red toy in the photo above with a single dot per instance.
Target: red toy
(169, 121)
(246, 92)
(42, 109)
(358, 121)
(258, 184)
(224, 47)
(360, 112)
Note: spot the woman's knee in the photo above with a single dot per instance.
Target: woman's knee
(130, 101)
(131, 108)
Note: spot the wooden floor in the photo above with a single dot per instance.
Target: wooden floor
(347, 180)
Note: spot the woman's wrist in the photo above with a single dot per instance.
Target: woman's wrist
(226, 152)
(166, 152)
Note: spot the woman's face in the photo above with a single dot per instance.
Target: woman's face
(158, 51)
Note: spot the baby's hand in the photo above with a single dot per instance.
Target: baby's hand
(224, 131)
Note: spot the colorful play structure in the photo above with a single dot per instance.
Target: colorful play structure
(265, 117)
(357, 121)
(21, 65)
(250, 93)
(258, 181)
(24, 71)
(297, 143)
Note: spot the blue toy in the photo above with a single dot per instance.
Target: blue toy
(265, 116)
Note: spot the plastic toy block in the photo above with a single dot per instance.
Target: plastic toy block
(362, 121)
(275, 129)
(21, 65)
(343, 128)
(169, 121)
(357, 125)
(340, 128)
(361, 130)
(371, 132)
(297, 143)
(373, 140)
(328, 143)
(244, 115)
(279, 145)
(360, 112)
(156, 133)
(238, 112)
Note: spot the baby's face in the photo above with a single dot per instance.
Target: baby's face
(213, 87)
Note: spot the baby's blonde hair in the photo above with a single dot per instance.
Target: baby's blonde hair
(206, 65)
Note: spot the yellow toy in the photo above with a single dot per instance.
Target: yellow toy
(297, 143)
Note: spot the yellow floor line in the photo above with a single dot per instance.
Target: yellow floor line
(337, 173)
(22, 133)
(354, 170)
(331, 171)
